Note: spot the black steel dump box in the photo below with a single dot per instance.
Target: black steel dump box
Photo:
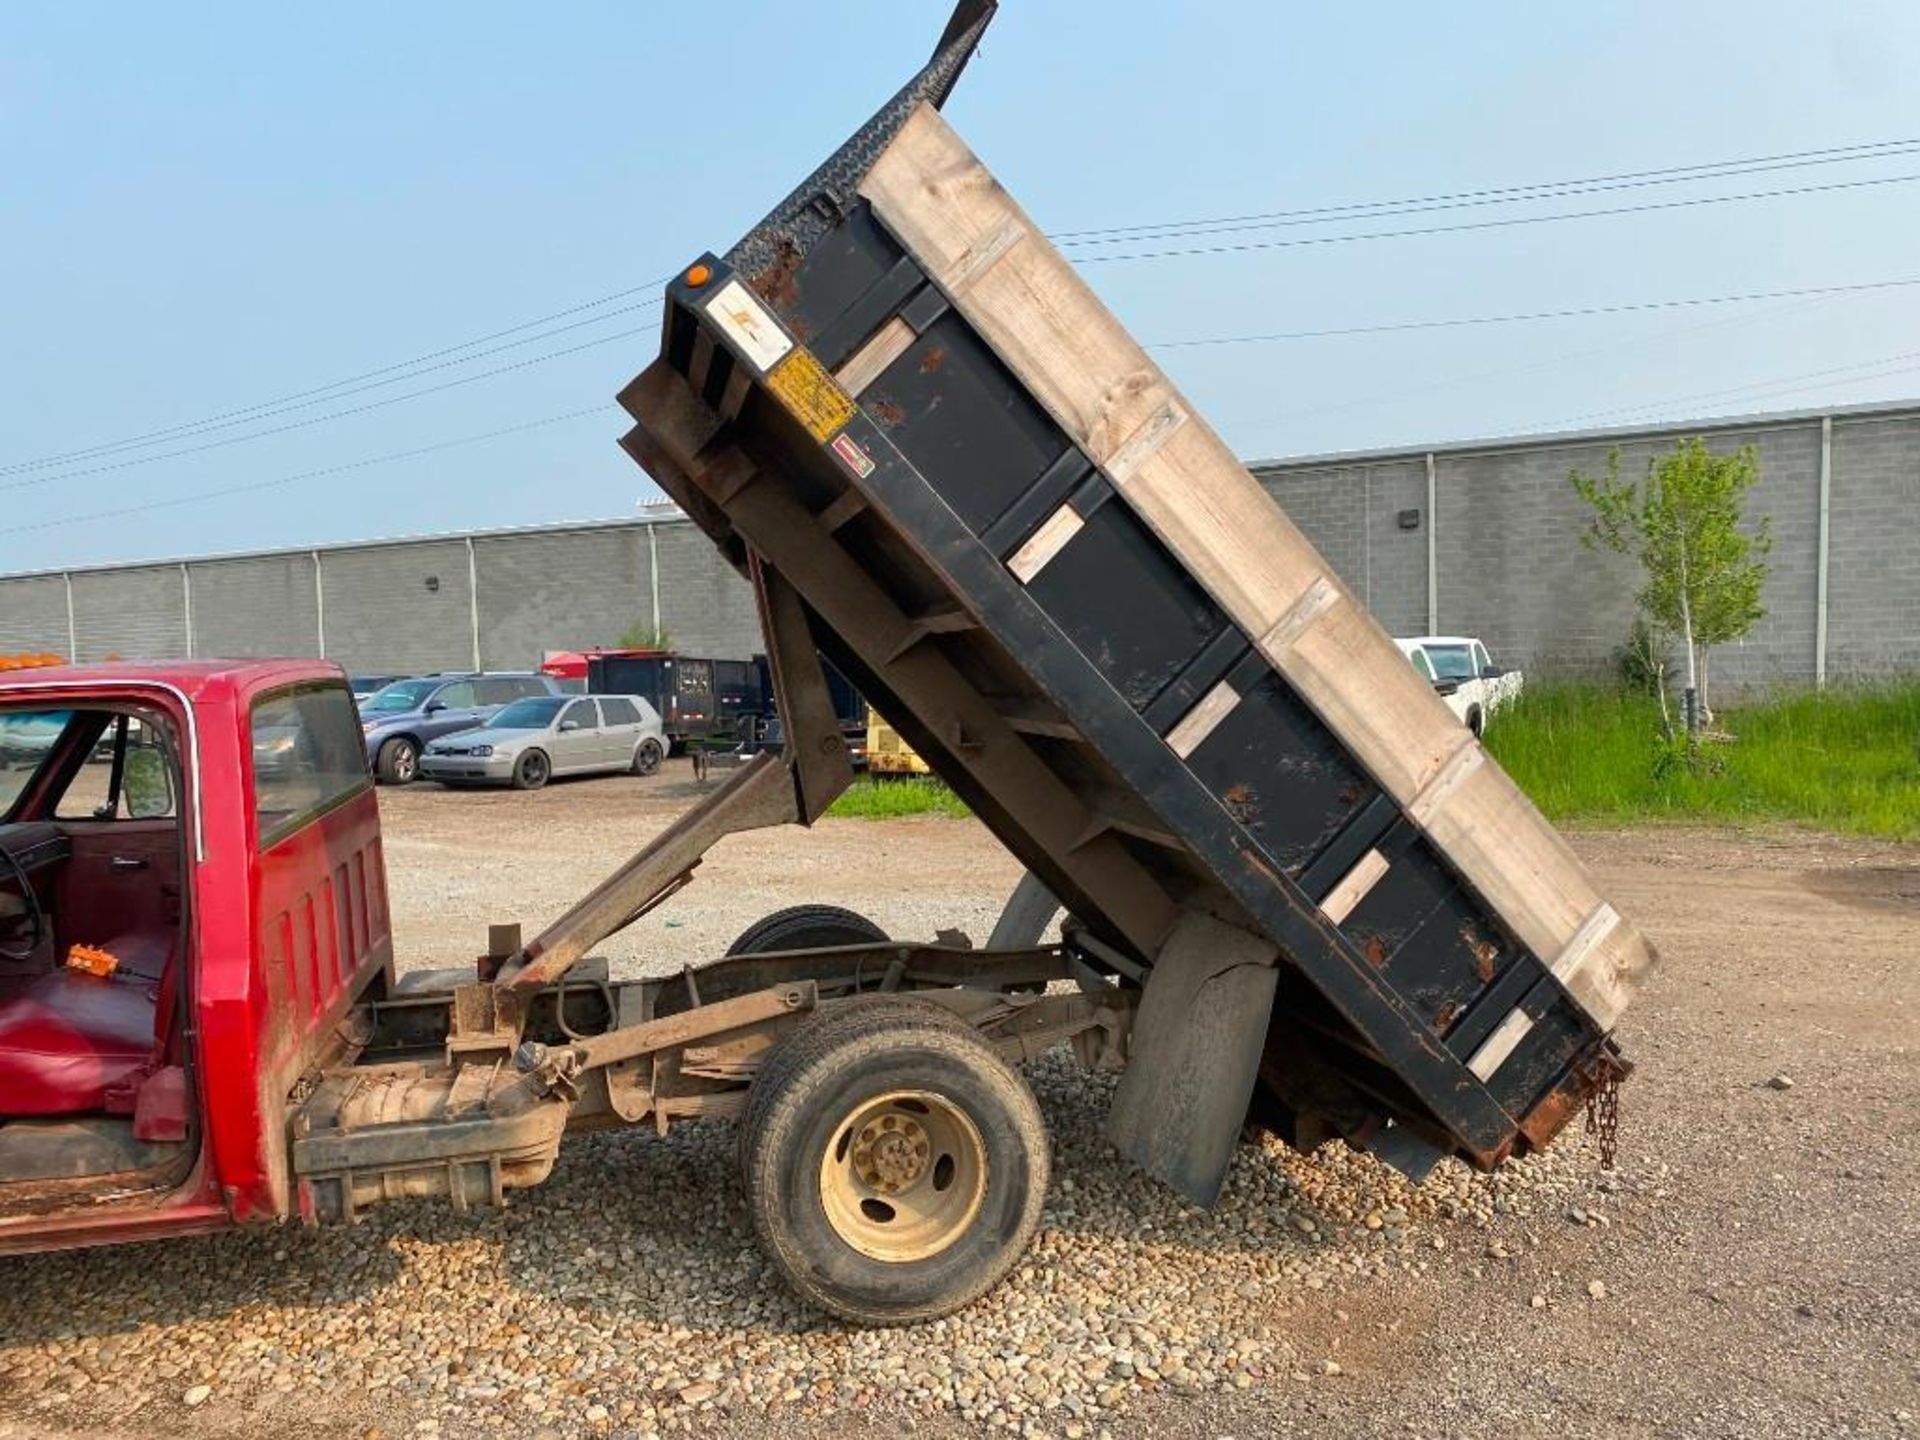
(1022, 543)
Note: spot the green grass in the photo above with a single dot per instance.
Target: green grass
(1847, 760)
(869, 798)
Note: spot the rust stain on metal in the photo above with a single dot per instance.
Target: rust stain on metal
(931, 362)
(1350, 793)
(1448, 1013)
(1376, 951)
(1485, 953)
(775, 284)
(887, 412)
(1240, 800)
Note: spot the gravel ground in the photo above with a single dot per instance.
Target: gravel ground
(1751, 1268)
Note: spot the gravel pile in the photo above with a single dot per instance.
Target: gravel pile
(628, 1297)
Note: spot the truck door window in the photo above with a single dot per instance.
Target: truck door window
(308, 755)
(26, 740)
(126, 776)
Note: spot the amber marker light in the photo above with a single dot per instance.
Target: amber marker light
(698, 275)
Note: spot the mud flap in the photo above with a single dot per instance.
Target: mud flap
(1195, 1053)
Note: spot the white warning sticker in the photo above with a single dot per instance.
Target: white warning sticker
(748, 324)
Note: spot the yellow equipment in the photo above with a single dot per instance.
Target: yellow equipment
(887, 753)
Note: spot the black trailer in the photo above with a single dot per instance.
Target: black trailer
(700, 699)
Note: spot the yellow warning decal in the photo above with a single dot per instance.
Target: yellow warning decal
(814, 396)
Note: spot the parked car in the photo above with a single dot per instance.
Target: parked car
(400, 720)
(531, 741)
(1463, 675)
(364, 686)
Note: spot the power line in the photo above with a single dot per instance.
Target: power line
(317, 419)
(323, 392)
(469, 351)
(267, 410)
(1455, 322)
(1785, 384)
(1527, 367)
(1244, 246)
(111, 466)
(319, 474)
(1504, 195)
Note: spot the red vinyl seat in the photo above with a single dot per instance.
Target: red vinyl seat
(67, 1038)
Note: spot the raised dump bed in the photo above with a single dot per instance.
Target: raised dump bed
(1028, 549)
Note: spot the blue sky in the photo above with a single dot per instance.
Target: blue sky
(212, 207)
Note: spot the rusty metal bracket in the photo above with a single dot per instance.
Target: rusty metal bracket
(484, 1024)
(759, 794)
(816, 751)
(688, 1026)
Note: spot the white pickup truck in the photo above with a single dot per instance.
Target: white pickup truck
(1471, 684)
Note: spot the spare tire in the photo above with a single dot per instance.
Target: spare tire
(806, 927)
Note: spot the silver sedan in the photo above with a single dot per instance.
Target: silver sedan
(531, 741)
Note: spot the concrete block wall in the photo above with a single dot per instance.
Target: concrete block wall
(256, 606)
(1504, 527)
(1509, 565)
(132, 614)
(565, 590)
(33, 615)
(1873, 586)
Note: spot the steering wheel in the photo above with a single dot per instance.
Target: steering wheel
(19, 950)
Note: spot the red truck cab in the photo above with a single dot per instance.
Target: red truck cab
(192, 896)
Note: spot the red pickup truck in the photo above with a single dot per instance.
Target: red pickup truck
(201, 1025)
(191, 898)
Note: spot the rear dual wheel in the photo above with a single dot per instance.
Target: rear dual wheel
(895, 1165)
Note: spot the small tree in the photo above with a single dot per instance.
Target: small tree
(1704, 574)
(638, 636)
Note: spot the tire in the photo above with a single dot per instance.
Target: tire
(806, 927)
(532, 770)
(399, 761)
(647, 757)
(1476, 722)
(936, 1196)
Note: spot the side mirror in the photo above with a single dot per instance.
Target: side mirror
(1446, 687)
(566, 725)
(1491, 672)
(434, 707)
(148, 789)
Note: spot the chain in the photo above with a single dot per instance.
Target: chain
(1603, 1116)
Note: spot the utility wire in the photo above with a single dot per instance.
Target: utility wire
(1506, 222)
(325, 391)
(319, 474)
(1504, 195)
(1527, 367)
(317, 419)
(267, 410)
(1455, 322)
(1759, 388)
(1170, 229)
(471, 350)
(109, 465)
